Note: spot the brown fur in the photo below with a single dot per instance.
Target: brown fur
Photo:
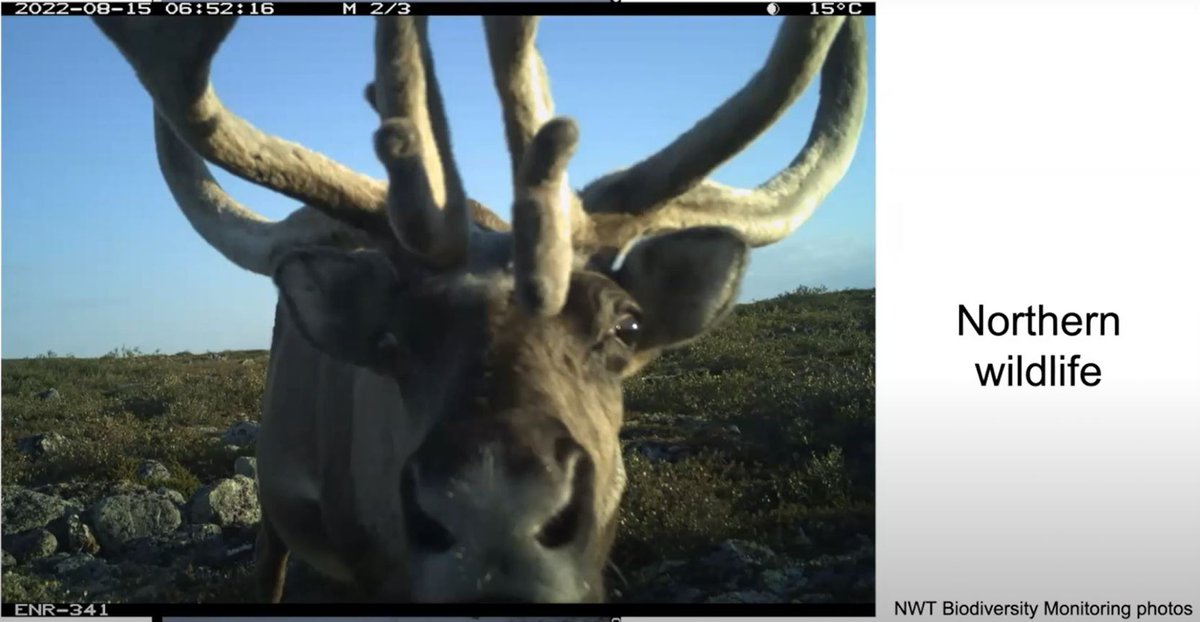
(487, 370)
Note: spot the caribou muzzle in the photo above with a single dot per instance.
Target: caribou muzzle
(499, 507)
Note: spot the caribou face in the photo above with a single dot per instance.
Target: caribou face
(443, 399)
(512, 490)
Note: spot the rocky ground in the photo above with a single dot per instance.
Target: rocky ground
(139, 542)
(128, 540)
(750, 457)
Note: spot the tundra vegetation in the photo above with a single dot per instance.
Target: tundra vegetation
(750, 455)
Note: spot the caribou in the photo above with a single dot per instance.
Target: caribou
(444, 392)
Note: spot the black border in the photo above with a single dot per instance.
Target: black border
(285, 8)
(350, 610)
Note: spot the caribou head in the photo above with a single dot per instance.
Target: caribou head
(444, 394)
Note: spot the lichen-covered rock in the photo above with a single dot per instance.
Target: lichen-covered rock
(241, 434)
(40, 445)
(173, 495)
(732, 571)
(83, 574)
(25, 509)
(738, 554)
(151, 471)
(122, 518)
(784, 581)
(200, 543)
(228, 503)
(49, 394)
(82, 494)
(31, 545)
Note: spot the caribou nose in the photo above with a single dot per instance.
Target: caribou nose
(498, 490)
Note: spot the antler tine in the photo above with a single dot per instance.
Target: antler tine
(622, 205)
(521, 81)
(410, 109)
(172, 58)
(244, 237)
(546, 211)
(455, 192)
(796, 57)
(542, 223)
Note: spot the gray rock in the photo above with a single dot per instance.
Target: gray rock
(654, 571)
(122, 518)
(31, 545)
(49, 394)
(241, 434)
(739, 554)
(175, 496)
(65, 563)
(213, 549)
(657, 450)
(200, 543)
(246, 465)
(152, 471)
(88, 576)
(81, 494)
(227, 502)
(25, 509)
(784, 581)
(9, 560)
(733, 571)
(40, 445)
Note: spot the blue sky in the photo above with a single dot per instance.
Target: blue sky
(96, 255)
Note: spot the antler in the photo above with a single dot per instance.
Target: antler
(413, 143)
(244, 237)
(172, 59)
(424, 205)
(545, 209)
(668, 190)
(521, 81)
(542, 251)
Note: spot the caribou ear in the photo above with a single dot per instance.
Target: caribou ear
(684, 281)
(342, 302)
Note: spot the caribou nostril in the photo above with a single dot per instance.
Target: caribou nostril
(424, 532)
(563, 528)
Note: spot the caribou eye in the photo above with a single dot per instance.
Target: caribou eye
(628, 329)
